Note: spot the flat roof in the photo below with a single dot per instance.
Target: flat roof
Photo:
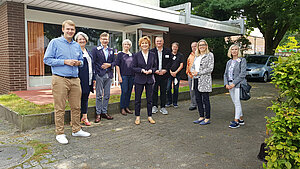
(132, 14)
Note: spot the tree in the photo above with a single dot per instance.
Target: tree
(272, 17)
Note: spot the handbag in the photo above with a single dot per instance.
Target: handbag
(245, 91)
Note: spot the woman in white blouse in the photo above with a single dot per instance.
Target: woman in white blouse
(202, 82)
(86, 75)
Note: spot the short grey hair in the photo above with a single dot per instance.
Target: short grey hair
(82, 34)
(127, 41)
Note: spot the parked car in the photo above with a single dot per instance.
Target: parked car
(259, 67)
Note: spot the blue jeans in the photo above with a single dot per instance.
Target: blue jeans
(126, 89)
(172, 98)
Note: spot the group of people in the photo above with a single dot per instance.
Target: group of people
(75, 70)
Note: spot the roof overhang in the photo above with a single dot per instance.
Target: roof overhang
(135, 14)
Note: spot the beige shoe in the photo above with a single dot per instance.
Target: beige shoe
(151, 120)
(137, 120)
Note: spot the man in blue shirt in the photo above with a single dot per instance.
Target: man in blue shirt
(64, 56)
(104, 60)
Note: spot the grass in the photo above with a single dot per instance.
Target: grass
(24, 107)
(39, 149)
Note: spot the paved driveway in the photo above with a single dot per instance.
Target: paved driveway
(173, 142)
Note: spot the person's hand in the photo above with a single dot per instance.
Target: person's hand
(227, 87)
(105, 65)
(231, 86)
(173, 73)
(148, 72)
(120, 79)
(194, 73)
(157, 72)
(69, 62)
(163, 71)
(77, 63)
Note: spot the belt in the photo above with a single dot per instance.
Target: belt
(68, 77)
(230, 80)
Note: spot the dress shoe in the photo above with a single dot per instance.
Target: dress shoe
(123, 112)
(98, 118)
(85, 121)
(151, 120)
(192, 108)
(107, 116)
(128, 111)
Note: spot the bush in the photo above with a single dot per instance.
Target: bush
(284, 142)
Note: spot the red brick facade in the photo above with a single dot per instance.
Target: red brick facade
(12, 48)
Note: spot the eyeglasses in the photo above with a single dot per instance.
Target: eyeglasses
(202, 45)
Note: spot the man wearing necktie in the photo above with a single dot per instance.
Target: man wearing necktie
(104, 60)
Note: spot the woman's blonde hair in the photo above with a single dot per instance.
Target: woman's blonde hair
(145, 38)
(197, 53)
(239, 52)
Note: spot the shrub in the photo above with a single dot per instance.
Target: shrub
(284, 141)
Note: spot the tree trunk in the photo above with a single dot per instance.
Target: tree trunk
(269, 50)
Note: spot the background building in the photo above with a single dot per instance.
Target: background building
(27, 26)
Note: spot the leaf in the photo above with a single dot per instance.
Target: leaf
(279, 146)
(288, 165)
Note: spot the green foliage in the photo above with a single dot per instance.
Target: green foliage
(290, 46)
(286, 77)
(272, 17)
(284, 144)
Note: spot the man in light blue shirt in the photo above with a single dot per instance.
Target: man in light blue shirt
(64, 56)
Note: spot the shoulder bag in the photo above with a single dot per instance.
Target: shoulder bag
(245, 90)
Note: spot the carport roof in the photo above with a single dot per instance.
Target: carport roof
(131, 14)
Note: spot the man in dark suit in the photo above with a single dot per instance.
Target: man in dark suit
(162, 56)
(104, 60)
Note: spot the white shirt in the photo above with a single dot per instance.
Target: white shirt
(197, 62)
(89, 60)
(145, 56)
(159, 59)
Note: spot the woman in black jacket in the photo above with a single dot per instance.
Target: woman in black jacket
(86, 75)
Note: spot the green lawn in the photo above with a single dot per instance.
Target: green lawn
(23, 107)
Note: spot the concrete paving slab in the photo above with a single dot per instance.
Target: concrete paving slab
(173, 142)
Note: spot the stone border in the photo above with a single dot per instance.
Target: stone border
(27, 122)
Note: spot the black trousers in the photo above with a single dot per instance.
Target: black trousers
(162, 83)
(202, 99)
(84, 102)
(138, 88)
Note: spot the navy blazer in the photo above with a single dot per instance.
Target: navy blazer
(139, 64)
(99, 59)
(84, 75)
(166, 60)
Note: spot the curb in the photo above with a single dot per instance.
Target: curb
(27, 122)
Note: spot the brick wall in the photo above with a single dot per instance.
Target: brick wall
(12, 48)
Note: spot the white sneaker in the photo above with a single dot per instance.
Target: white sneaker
(154, 109)
(81, 133)
(163, 111)
(62, 139)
